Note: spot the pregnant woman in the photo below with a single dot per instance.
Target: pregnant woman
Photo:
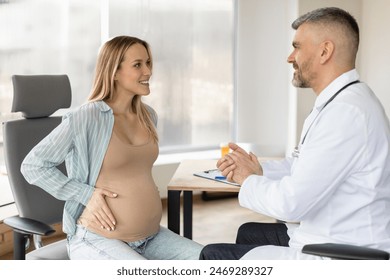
(113, 208)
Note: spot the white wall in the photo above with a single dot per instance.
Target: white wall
(374, 48)
(263, 40)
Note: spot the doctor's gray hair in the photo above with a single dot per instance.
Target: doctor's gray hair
(332, 16)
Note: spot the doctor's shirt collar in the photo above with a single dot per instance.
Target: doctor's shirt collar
(334, 86)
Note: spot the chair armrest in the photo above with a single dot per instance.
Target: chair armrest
(345, 252)
(28, 226)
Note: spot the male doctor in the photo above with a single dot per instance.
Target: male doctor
(336, 186)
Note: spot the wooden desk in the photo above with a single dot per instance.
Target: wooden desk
(184, 181)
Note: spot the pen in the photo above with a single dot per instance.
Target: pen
(211, 170)
(220, 177)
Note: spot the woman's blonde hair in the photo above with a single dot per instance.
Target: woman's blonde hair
(110, 57)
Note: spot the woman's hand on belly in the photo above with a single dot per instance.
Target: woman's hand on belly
(99, 210)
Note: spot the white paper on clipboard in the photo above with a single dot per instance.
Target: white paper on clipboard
(214, 174)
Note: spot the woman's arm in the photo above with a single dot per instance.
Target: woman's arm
(40, 165)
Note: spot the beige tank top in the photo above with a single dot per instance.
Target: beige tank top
(127, 171)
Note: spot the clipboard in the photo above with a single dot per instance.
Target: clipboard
(215, 175)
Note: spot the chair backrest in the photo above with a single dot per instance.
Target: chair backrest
(37, 97)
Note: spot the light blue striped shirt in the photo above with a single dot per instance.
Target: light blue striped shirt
(81, 140)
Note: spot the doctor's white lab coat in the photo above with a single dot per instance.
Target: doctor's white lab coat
(338, 188)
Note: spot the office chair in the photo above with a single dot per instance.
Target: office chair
(37, 97)
(345, 252)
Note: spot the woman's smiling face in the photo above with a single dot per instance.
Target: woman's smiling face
(134, 71)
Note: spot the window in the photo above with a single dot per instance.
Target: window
(47, 37)
(192, 45)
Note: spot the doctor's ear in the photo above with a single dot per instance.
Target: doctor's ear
(327, 49)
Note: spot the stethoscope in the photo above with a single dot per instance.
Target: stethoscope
(296, 151)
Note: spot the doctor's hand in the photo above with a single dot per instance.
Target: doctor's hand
(239, 165)
(99, 210)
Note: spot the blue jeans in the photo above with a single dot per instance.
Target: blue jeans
(165, 245)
